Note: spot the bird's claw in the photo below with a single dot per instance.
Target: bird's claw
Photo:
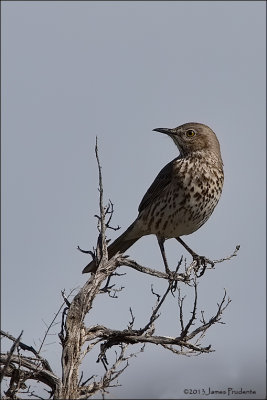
(172, 281)
(201, 264)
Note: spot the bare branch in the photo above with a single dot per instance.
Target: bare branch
(221, 307)
(34, 366)
(234, 254)
(155, 315)
(149, 271)
(9, 357)
(190, 322)
(78, 340)
(25, 347)
(55, 317)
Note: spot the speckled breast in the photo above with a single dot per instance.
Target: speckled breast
(187, 202)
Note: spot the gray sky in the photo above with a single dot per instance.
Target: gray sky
(74, 70)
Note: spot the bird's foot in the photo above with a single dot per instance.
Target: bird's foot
(172, 278)
(167, 270)
(202, 263)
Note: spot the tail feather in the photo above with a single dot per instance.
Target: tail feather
(120, 245)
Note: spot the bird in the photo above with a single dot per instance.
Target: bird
(183, 195)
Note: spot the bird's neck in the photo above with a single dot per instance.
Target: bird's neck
(209, 156)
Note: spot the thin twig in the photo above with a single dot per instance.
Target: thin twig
(55, 317)
(190, 322)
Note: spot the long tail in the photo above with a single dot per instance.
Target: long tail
(120, 245)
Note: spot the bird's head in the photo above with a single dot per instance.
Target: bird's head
(193, 137)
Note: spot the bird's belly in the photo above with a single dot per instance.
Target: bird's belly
(178, 217)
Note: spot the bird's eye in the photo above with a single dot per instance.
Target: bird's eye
(190, 133)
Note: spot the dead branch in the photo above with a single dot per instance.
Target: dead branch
(78, 340)
(32, 365)
(133, 336)
(25, 347)
(9, 356)
(181, 277)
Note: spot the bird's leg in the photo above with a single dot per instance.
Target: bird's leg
(162, 250)
(201, 260)
(193, 254)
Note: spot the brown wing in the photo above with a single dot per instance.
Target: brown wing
(160, 184)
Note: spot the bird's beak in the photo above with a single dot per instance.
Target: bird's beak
(167, 131)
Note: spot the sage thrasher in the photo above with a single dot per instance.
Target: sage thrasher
(183, 195)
